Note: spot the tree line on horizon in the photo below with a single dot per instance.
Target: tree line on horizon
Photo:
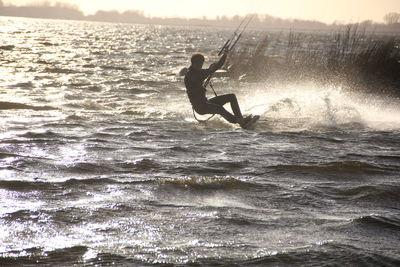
(61, 10)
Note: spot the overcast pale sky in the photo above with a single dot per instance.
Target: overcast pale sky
(322, 10)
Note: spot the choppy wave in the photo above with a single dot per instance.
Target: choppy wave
(13, 105)
(113, 67)
(18, 185)
(7, 47)
(23, 85)
(41, 135)
(200, 183)
(373, 193)
(335, 168)
(37, 256)
(204, 183)
(59, 70)
(328, 254)
(377, 221)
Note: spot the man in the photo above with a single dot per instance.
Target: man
(196, 91)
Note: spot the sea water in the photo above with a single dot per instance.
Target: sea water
(102, 162)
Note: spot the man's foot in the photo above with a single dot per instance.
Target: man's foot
(250, 124)
(243, 121)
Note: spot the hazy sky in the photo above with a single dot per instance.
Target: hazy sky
(321, 10)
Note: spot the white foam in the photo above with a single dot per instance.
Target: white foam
(314, 106)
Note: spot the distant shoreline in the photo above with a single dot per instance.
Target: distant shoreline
(273, 29)
(62, 11)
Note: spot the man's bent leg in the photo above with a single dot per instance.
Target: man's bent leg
(211, 108)
(231, 98)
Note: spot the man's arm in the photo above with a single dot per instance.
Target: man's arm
(215, 66)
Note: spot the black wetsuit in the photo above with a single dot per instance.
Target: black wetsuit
(194, 80)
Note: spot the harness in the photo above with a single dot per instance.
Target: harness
(208, 81)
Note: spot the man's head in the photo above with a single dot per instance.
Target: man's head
(197, 60)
